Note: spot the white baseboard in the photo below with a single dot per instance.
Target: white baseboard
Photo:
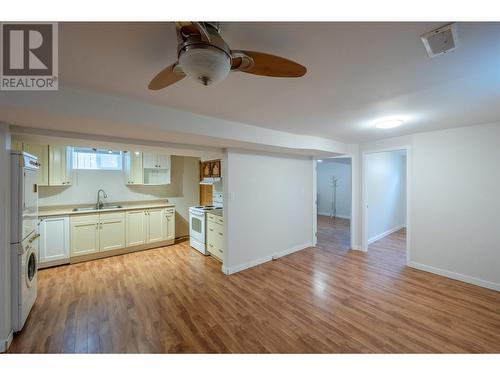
(339, 216)
(256, 262)
(455, 276)
(386, 233)
(4, 344)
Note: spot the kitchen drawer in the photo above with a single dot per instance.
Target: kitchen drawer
(217, 253)
(215, 240)
(215, 246)
(213, 227)
(215, 218)
(83, 218)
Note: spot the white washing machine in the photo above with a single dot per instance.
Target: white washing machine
(24, 279)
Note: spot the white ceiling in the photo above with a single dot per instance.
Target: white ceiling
(357, 72)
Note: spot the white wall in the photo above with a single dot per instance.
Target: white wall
(5, 284)
(454, 216)
(342, 171)
(183, 190)
(269, 207)
(385, 174)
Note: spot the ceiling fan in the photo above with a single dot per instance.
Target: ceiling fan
(204, 56)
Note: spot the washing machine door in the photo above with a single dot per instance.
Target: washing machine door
(31, 268)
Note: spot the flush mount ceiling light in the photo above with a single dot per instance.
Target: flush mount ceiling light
(389, 123)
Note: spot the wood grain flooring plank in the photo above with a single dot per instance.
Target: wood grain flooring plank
(326, 299)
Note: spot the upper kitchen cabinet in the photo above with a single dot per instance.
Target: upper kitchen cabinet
(16, 144)
(156, 169)
(55, 162)
(42, 154)
(210, 169)
(59, 165)
(133, 161)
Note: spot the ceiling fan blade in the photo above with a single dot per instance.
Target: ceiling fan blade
(166, 77)
(264, 64)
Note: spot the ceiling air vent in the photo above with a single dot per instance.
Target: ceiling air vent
(442, 40)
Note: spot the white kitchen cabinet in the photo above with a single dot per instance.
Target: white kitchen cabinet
(156, 169)
(149, 225)
(135, 227)
(53, 243)
(169, 224)
(215, 235)
(133, 161)
(154, 224)
(84, 234)
(111, 231)
(163, 161)
(16, 144)
(150, 160)
(59, 165)
(42, 154)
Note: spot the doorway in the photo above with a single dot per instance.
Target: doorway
(385, 203)
(334, 202)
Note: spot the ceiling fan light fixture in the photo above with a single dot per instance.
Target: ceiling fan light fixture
(207, 65)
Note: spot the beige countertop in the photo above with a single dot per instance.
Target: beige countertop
(44, 211)
(216, 212)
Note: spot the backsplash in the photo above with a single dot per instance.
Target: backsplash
(85, 184)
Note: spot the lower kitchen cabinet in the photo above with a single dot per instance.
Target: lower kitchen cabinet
(135, 227)
(169, 224)
(53, 243)
(215, 236)
(106, 231)
(145, 226)
(84, 234)
(111, 231)
(154, 224)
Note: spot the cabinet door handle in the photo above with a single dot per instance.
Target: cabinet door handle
(220, 233)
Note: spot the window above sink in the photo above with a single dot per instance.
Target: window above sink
(97, 159)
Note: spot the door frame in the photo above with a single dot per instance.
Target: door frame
(364, 214)
(353, 219)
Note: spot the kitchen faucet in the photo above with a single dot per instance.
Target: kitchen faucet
(100, 204)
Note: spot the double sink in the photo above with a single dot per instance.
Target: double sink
(96, 208)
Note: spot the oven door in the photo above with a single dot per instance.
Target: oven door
(197, 226)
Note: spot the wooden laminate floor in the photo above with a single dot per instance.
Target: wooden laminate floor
(324, 299)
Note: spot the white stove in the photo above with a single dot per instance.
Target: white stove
(197, 227)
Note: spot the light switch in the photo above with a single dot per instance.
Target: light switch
(232, 195)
